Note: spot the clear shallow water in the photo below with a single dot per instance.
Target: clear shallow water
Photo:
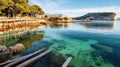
(90, 44)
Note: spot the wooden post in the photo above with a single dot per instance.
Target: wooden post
(18, 60)
(24, 64)
(67, 62)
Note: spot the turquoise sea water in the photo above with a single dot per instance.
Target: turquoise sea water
(94, 44)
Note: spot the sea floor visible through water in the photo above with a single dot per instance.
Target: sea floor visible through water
(88, 47)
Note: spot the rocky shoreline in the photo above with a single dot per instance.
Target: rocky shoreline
(7, 52)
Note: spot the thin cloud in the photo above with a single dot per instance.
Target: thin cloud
(57, 7)
(96, 9)
(49, 5)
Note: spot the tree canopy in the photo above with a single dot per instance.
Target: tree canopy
(36, 9)
(20, 6)
(5, 3)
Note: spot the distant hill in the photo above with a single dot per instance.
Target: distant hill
(98, 16)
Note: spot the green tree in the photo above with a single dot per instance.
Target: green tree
(2, 4)
(36, 9)
(5, 3)
(66, 18)
(20, 6)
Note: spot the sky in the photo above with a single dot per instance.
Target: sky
(75, 8)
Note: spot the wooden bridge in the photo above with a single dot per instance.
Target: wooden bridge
(27, 60)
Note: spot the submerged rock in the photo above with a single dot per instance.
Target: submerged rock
(104, 48)
(5, 53)
(17, 48)
(58, 60)
(98, 64)
(3, 48)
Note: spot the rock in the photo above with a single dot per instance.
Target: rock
(111, 16)
(63, 55)
(3, 48)
(5, 53)
(98, 64)
(58, 61)
(105, 48)
(17, 48)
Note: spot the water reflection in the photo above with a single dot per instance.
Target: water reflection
(29, 40)
(99, 24)
(58, 25)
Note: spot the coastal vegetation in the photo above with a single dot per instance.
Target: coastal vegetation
(18, 7)
(59, 19)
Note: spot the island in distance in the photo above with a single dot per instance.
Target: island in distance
(109, 16)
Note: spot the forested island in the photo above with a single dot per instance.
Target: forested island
(98, 16)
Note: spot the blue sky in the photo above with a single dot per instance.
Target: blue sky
(75, 8)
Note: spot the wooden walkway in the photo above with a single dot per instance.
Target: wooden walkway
(29, 59)
(21, 58)
(25, 60)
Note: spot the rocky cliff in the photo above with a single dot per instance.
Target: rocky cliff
(98, 16)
